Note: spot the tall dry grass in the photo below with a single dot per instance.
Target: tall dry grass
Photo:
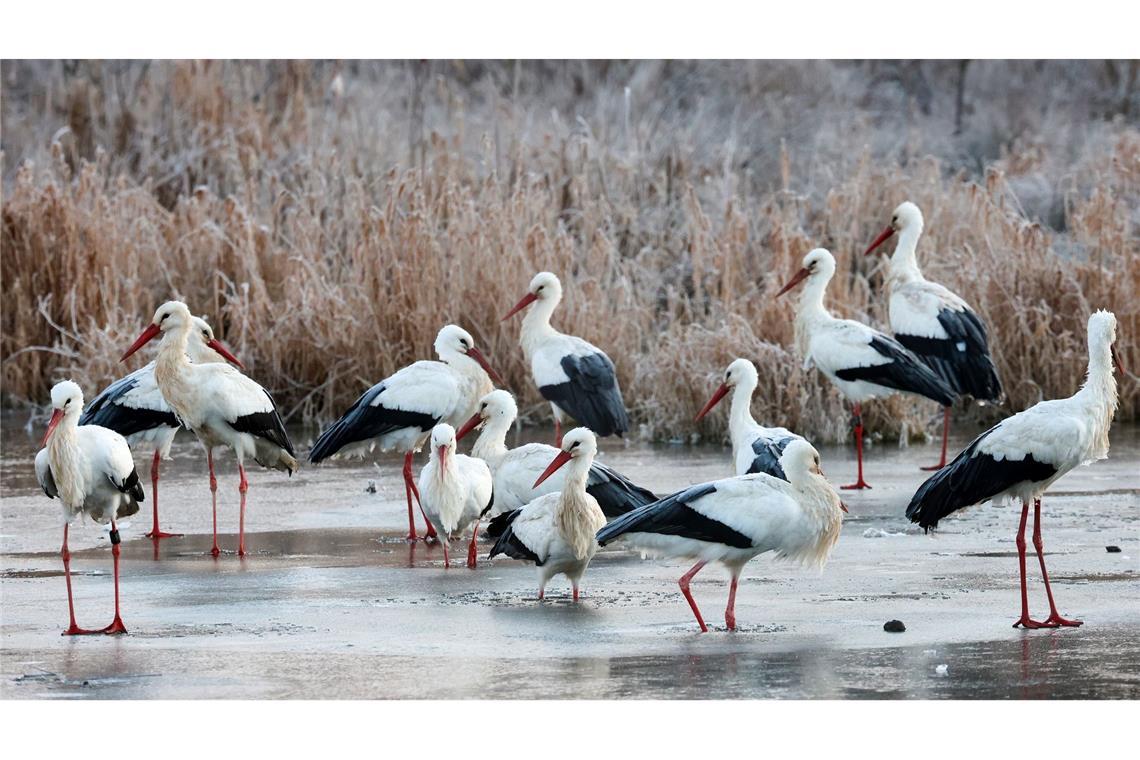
(329, 218)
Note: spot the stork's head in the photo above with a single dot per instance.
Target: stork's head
(800, 461)
(580, 444)
(818, 266)
(906, 216)
(442, 443)
(172, 315)
(544, 287)
(453, 342)
(496, 406)
(741, 372)
(66, 401)
(1102, 331)
(202, 334)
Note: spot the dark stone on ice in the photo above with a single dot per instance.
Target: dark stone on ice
(1112, 549)
(894, 626)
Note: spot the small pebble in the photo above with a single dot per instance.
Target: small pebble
(1112, 549)
(894, 626)
(942, 669)
(371, 488)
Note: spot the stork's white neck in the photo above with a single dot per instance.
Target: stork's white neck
(575, 516)
(740, 420)
(68, 463)
(200, 353)
(443, 488)
(820, 508)
(171, 369)
(536, 324)
(904, 261)
(1099, 396)
(811, 313)
(491, 446)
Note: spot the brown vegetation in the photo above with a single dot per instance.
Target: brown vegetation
(329, 218)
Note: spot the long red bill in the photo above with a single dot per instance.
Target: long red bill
(468, 426)
(1116, 359)
(562, 458)
(442, 460)
(721, 392)
(526, 301)
(147, 336)
(56, 416)
(799, 277)
(477, 355)
(842, 506)
(879, 240)
(216, 344)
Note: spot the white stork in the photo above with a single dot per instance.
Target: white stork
(735, 519)
(515, 470)
(456, 489)
(556, 531)
(133, 407)
(1020, 457)
(935, 323)
(576, 377)
(91, 470)
(860, 361)
(755, 448)
(218, 403)
(400, 411)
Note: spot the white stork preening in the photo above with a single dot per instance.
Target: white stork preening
(400, 411)
(576, 377)
(735, 519)
(456, 491)
(860, 361)
(934, 322)
(134, 408)
(1020, 457)
(515, 470)
(755, 448)
(91, 470)
(556, 531)
(219, 404)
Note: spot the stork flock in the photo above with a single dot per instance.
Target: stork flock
(556, 506)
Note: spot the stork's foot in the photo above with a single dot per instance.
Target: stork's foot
(157, 535)
(74, 630)
(730, 621)
(1057, 620)
(215, 552)
(1029, 624)
(472, 560)
(859, 486)
(116, 627)
(431, 535)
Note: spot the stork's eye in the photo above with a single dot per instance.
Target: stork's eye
(163, 318)
(539, 289)
(575, 444)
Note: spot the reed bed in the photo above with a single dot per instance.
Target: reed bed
(329, 218)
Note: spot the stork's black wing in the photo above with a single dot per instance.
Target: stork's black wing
(110, 409)
(673, 516)
(365, 420)
(962, 360)
(904, 372)
(615, 493)
(265, 424)
(591, 395)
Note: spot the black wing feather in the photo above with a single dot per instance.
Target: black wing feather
(266, 425)
(768, 452)
(971, 479)
(904, 372)
(674, 517)
(591, 395)
(963, 360)
(615, 493)
(363, 421)
(106, 410)
(508, 543)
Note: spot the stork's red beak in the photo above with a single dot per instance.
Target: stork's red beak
(477, 355)
(799, 277)
(442, 459)
(216, 344)
(562, 458)
(842, 506)
(1116, 359)
(721, 392)
(879, 240)
(147, 336)
(526, 301)
(56, 416)
(468, 426)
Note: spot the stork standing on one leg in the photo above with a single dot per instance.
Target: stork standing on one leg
(735, 519)
(221, 405)
(556, 531)
(755, 448)
(134, 408)
(935, 323)
(1020, 457)
(457, 491)
(860, 361)
(400, 411)
(515, 470)
(91, 470)
(576, 377)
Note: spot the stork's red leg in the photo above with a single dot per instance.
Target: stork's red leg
(860, 483)
(945, 439)
(213, 498)
(574, 586)
(408, 492)
(1025, 620)
(429, 533)
(243, 486)
(557, 432)
(471, 550)
(684, 584)
(155, 533)
(730, 610)
(72, 628)
(1054, 618)
(446, 556)
(116, 625)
